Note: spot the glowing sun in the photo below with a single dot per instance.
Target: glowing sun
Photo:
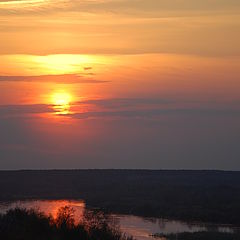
(61, 98)
(61, 102)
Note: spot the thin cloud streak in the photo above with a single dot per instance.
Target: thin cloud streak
(6, 110)
(149, 113)
(64, 78)
(126, 102)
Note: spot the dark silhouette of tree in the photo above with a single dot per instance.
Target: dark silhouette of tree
(65, 218)
(22, 224)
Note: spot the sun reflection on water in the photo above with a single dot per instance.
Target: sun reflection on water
(48, 207)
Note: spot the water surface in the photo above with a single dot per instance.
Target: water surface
(140, 228)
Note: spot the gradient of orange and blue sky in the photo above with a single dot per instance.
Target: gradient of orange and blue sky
(120, 84)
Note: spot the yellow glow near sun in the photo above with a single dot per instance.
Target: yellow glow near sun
(64, 63)
(58, 64)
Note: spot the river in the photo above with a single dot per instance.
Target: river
(138, 227)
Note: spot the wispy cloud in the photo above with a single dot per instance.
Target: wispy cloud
(64, 78)
(118, 5)
(126, 102)
(6, 110)
(157, 112)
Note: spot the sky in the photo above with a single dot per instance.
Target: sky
(140, 84)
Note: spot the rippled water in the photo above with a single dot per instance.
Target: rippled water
(138, 227)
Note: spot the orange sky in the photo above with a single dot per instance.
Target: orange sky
(153, 68)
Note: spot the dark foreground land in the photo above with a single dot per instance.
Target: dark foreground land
(208, 196)
(21, 224)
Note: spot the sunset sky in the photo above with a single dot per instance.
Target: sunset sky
(120, 84)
